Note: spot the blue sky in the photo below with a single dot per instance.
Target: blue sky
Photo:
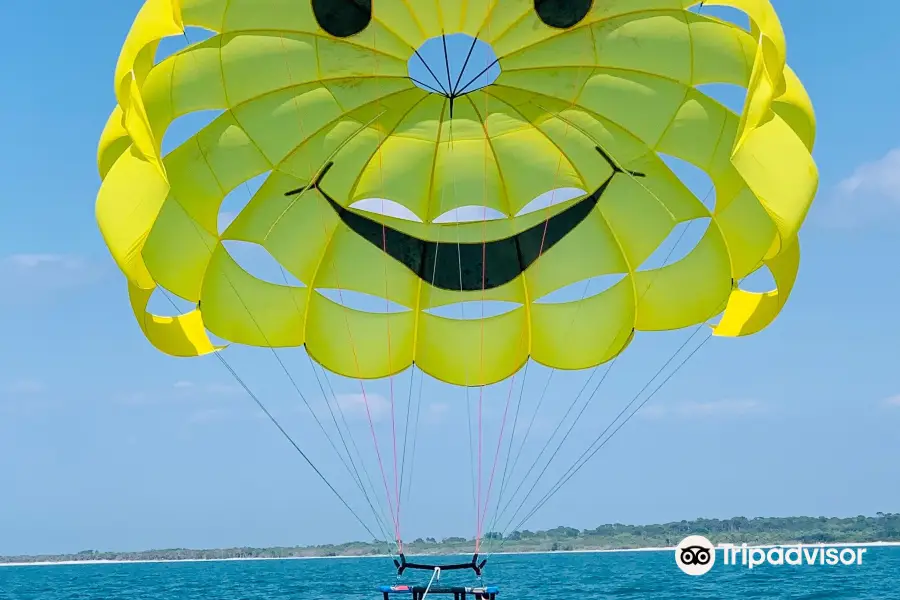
(105, 443)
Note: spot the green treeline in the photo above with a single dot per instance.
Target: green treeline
(760, 530)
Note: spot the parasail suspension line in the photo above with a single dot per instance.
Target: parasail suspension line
(616, 168)
(296, 387)
(292, 442)
(589, 453)
(315, 181)
(633, 175)
(284, 433)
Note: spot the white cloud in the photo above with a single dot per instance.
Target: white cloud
(720, 408)
(714, 409)
(37, 274)
(435, 413)
(653, 411)
(180, 391)
(354, 406)
(24, 397)
(893, 401)
(222, 389)
(138, 398)
(870, 193)
(31, 262)
(25, 387)
(212, 389)
(210, 415)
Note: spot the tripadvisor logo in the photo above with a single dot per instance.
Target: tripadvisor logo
(696, 555)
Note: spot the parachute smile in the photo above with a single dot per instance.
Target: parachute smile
(474, 266)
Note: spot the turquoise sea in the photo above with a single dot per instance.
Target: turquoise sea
(620, 576)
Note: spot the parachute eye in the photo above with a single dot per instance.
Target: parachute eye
(342, 18)
(562, 14)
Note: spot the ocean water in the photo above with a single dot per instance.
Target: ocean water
(619, 576)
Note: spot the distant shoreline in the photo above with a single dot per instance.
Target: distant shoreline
(70, 563)
(880, 530)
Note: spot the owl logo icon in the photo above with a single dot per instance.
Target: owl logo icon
(695, 555)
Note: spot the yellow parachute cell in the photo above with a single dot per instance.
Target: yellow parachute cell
(319, 93)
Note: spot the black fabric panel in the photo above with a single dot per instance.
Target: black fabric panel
(342, 18)
(562, 14)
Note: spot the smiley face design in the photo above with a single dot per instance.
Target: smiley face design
(372, 122)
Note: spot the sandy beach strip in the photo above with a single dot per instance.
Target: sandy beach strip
(247, 559)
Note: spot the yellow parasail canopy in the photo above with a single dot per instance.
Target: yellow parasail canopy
(319, 93)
